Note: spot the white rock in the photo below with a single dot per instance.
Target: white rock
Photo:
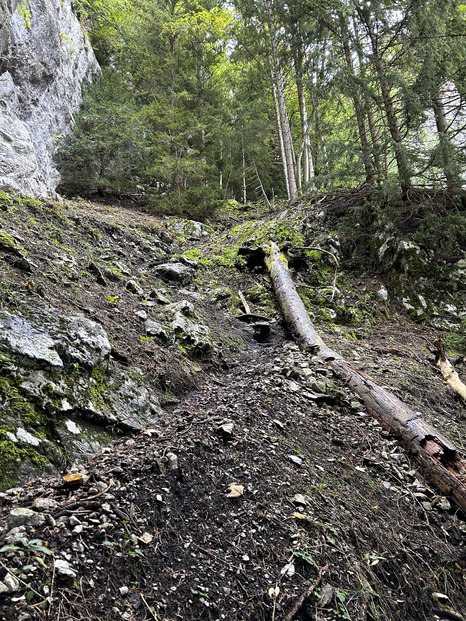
(72, 427)
(40, 89)
(21, 517)
(63, 569)
(11, 583)
(382, 294)
(124, 590)
(27, 437)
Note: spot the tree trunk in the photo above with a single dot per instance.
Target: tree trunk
(305, 153)
(437, 456)
(283, 114)
(243, 164)
(358, 108)
(280, 137)
(400, 156)
(446, 146)
(320, 138)
(381, 171)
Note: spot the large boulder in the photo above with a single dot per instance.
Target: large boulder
(44, 61)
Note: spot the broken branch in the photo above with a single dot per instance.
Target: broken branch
(448, 371)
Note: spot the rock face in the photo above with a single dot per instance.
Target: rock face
(44, 60)
(63, 396)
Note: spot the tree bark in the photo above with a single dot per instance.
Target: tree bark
(446, 146)
(400, 156)
(435, 454)
(359, 111)
(280, 137)
(305, 153)
(284, 122)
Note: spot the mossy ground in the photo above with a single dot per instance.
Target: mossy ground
(64, 240)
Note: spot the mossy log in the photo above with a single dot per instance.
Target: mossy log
(438, 458)
(448, 371)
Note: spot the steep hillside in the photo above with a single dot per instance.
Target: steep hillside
(194, 463)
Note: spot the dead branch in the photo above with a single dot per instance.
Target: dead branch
(436, 455)
(448, 371)
(307, 593)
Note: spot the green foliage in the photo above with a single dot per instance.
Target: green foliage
(25, 13)
(185, 105)
(108, 148)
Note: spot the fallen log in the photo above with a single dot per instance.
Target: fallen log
(448, 371)
(438, 458)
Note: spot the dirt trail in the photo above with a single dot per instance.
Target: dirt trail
(152, 533)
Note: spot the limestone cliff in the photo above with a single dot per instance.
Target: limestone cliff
(45, 58)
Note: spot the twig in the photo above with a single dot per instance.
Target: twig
(447, 614)
(306, 594)
(247, 308)
(22, 581)
(148, 608)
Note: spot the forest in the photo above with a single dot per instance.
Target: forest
(204, 101)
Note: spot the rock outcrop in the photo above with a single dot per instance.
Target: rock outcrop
(44, 60)
(63, 397)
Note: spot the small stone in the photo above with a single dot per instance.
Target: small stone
(142, 314)
(133, 287)
(77, 530)
(172, 461)
(175, 272)
(245, 557)
(183, 306)
(21, 517)
(45, 504)
(299, 499)
(11, 583)
(124, 590)
(427, 506)
(227, 428)
(296, 460)
(153, 328)
(382, 295)
(63, 569)
(443, 504)
(74, 521)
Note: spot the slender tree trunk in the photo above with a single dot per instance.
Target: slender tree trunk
(283, 114)
(305, 153)
(245, 194)
(446, 146)
(367, 110)
(220, 180)
(358, 108)
(400, 156)
(320, 138)
(280, 137)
